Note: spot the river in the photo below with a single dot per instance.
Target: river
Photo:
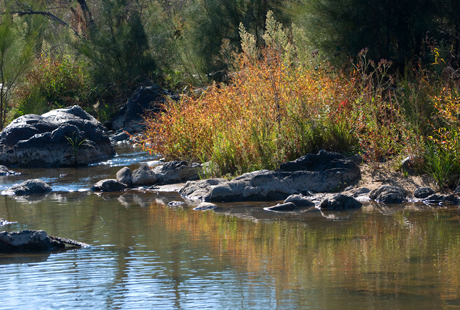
(146, 255)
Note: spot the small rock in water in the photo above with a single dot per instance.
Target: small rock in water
(388, 194)
(340, 202)
(108, 185)
(288, 206)
(205, 206)
(28, 187)
(175, 203)
(4, 171)
(361, 191)
(125, 176)
(299, 201)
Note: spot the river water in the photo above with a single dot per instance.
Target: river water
(146, 255)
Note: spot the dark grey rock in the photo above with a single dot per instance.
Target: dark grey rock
(28, 187)
(4, 171)
(119, 136)
(125, 176)
(287, 206)
(108, 185)
(361, 191)
(267, 185)
(388, 194)
(33, 240)
(176, 172)
(62, 137)
(423, 192)
(144, 100)
(299, 200)
(339, 202)
(175, 203)
(443, 199)
(205, 206)
(144, 175)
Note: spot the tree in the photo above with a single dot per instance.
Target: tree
(16, 53)
(391, 29)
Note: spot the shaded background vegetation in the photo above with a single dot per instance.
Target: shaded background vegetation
(289, 86)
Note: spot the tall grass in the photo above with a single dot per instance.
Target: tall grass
(281, 104)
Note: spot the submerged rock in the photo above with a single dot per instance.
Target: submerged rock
(33, 240)
(28, 187)
(388, 194)
(328, 172)
(62, 137)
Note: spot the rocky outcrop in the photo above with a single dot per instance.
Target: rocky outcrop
(28, 187)
(144, 100)
(388, 194)
(322, 172)
(33, 240)
(62, 137)
(108, 185)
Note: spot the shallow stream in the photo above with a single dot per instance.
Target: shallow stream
(146, 255)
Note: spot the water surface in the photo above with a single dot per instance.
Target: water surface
(146, 255)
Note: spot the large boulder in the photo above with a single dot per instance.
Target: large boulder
(62, 137)
(144, 100)
(29, 187)
(331, 172)
(108, 185)
(33, 240)
(339, 202)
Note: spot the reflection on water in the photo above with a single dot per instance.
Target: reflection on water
(146, 255)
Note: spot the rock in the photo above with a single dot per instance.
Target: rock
(144, 100)
(329, 172)
(125, 176)
(33, 240)
(287, 206)
(175, 203)
(176, 172)
(361, 191)
(4, 222)
(144, 176)
(28, 187)
(423, 192)
(4, 171)
(444, 199)
(299, 200)
(205, 206)
(339, 202)
(119, 136)
(388, 194)
(108, 185)
(62, 137)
